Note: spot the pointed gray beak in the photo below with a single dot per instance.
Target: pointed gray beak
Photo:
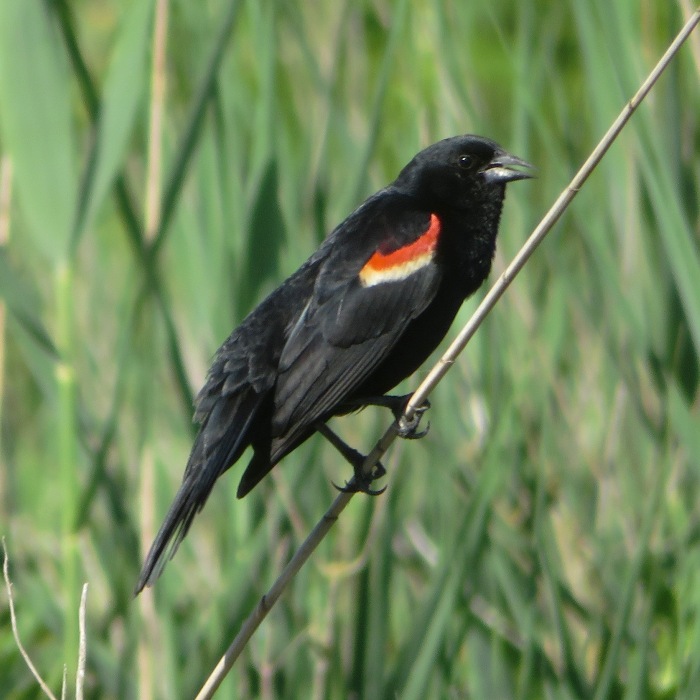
(501, 169)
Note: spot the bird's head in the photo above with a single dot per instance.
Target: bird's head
(460, 172)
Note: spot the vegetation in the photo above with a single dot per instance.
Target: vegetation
(542, 541)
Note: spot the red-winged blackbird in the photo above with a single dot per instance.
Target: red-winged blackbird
(361, 314)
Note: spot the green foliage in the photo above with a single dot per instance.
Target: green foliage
(541, 541)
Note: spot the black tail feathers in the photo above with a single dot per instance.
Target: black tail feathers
(222, 438)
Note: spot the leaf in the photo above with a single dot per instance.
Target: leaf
(124, 89)
(23, 303)
(35, 121)
(265, 239)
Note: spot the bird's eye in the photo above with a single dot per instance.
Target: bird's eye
(466, 161)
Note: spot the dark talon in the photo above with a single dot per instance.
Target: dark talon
(397, 405)
(357, 488)
(408, 429)
(361, 482)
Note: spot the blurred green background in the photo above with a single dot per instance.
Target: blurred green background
(164, 165)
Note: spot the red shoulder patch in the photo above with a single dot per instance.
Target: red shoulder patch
(402, 262)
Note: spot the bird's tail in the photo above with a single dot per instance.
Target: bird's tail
(221, 440)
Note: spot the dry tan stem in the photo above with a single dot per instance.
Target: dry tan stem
(15, 631)
(82, 649)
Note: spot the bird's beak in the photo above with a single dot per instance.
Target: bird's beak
(501, 169)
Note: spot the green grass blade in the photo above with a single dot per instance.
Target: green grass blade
(37, 131)
(123, 93)
(193, 127)
(23, 302)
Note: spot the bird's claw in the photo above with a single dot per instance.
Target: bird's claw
(361, 483)
(408, 428)
(352, 487)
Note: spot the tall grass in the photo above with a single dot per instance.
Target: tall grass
(541, 541)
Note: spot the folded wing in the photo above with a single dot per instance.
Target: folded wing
(355, 317)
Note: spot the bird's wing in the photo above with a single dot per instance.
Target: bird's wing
(360, 307)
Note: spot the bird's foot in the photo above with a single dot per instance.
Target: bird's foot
(362, 482)
(408, 428)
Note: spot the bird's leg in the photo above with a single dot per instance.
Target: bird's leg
(407, 429)
(360, 482)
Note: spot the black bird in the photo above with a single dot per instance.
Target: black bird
(361, 314)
